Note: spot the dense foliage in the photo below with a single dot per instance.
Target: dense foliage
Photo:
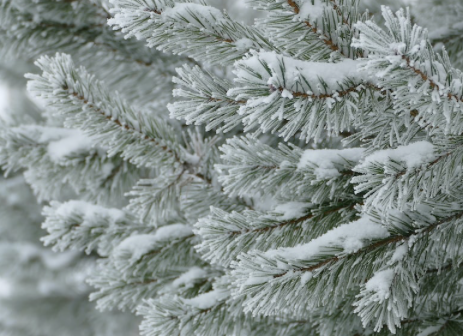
(300, 175)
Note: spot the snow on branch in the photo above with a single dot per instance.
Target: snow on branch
(144, 265)
(327, 161)
(387, 297)
(288, 96)
(250, 166)
(84, 226)
(348, 238)
(305, 268)
(403, 60)
(173, 315)
(134, 247)
(55, 158)
(61, 145)
(202, 32)
(348, 255)
(87, 105)
(204, 100)
(226, 235)
(412, 173)
(312, 30)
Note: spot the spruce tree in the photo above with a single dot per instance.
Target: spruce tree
(296, 174)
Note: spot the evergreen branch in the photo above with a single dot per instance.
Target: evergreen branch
(226, 235)
(144, 136)
(420, 324)
(216, 37)
(281, 224)
(83, 226)
(330, 30)
(160, 199)
(55, 158)
(327, 96)
(387, 129)
(390, 303)
(207, 99)
(413, 71)
(147, 260)
(391, 181)
(287, 171)
(322, 265)
(149, 141)
(124, 125)
(429, 80)
(126, 259)
(198, 198)
(81, 32)
(325, 39)
(85, 103)
(375, 245)
(121, 291)
(203, 32)
(170, 315)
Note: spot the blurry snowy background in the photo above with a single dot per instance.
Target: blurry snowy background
(3, 100)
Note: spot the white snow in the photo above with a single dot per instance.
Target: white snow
(305, 277)
(107, 168)
(208, 300)
(292, 210)
(173, 231)
(380, 283)
(350, 237)
(139, 245)
(263, 202)
(328, 161)
(209, 16)
(286, 94)
(309, 11)
(76, 142)
(413, 155)
(399, 253)
(62, 142)
(192, 159)
(88, 211)
(244, 44)
(294, 70)
(187, 278)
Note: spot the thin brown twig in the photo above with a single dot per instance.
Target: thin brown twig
(426, 78)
